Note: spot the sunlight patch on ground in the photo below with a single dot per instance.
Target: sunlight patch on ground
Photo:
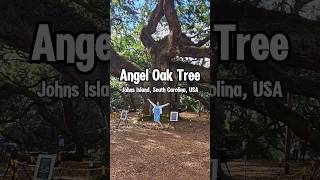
(151, 140)
(166, 132)
(198, 143)
(191, 164)
(132, 140)
(186, 152)
(176, 136)
(151, 146)
(119, 148)
(142, 134)
(114, 142)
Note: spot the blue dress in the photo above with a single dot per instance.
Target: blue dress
(156, 113)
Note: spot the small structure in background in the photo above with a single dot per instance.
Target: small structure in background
(123, 117)
(174, 116)
(60, 142)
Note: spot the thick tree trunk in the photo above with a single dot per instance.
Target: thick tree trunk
(71, 125)
(164, 50)
(132, 104)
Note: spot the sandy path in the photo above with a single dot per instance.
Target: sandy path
(144, 152)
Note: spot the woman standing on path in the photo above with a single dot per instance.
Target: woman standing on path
(157, 111)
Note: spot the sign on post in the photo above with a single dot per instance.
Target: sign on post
(44, 167)
(124, 114)
(60, 142)
(174, 116)
(123, 117)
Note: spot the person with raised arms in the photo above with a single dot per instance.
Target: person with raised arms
(157, 111)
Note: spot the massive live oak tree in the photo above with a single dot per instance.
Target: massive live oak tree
(18, 20)
(163, 51)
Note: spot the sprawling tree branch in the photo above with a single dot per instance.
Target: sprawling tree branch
(277, 111)
(173, 22)
(118, 62)
(192, 51)
(175, 43)
(202, 100)
(205, 74)
(292, 83)
(303, 33)
(151, 27)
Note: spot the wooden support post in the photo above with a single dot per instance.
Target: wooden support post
(199, 108)
(245, 166)
(287, 151)
(219, 119)
(119, 123)
(287, 143)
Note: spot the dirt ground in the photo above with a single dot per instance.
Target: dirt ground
(268, 169)
(141, 150)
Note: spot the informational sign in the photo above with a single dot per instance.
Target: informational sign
(123, 117)
(44, 167)
(60, 141)
(174, 116)
(124, 114)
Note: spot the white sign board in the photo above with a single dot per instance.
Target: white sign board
(61, 142)
(174, 116)
(44, 167)
(124, 114)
